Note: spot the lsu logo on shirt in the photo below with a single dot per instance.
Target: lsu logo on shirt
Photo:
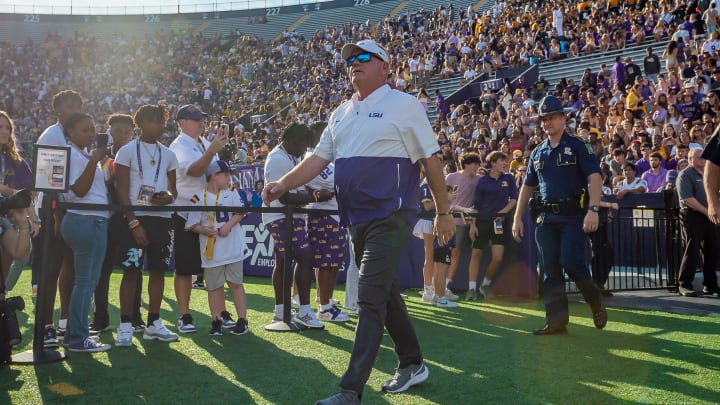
(375, 115)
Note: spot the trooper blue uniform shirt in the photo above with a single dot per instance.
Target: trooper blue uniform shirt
(560, 172)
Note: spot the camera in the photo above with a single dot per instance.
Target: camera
(9, 328)
(20, 199)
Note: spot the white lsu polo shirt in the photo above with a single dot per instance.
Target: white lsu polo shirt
(376, 144)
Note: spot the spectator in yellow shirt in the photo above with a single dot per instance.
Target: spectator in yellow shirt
(634, 102)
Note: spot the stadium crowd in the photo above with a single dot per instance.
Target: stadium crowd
(240, 76)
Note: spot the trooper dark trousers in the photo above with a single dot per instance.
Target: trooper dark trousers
(561, 246)
(379, 246)
(698, 233)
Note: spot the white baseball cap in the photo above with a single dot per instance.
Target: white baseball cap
(367, 45)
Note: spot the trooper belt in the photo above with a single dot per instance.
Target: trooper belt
(561, 208)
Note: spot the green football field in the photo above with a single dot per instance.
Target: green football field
(482, 352)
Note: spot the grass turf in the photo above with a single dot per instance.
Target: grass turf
(478, 353)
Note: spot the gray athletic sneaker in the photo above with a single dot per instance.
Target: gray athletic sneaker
(124, 335)
(344, 397)
(405, 378)
(308, 320)
(158, 331)
(471, 295)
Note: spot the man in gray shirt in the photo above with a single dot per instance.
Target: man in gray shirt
(698, 233)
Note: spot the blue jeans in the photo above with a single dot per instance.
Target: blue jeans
(87, 237)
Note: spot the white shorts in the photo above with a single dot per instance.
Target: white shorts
(215, 277)
(423, 226)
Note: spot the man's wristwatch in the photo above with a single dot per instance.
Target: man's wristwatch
(595, 208)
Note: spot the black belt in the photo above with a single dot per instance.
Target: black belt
(561, 208)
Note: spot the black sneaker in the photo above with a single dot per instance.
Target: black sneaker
(216, 329)
(185, 324)
(97, 328)
(241, 327)
(139, 327)
(50, 338)
(60, 334)
(227, 321)
(198, 285)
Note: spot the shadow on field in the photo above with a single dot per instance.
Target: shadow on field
(273, 373)
(164, 371)
(9, 382)
(491, 348)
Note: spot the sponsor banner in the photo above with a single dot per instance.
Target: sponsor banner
(261, 260)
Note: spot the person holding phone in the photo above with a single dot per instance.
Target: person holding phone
(84, 231)
(120, 132)
(145, 175)
(194, 155)
(65, 104)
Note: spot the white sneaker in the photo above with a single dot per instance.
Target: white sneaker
(158, 331)
(279, 317)
(317, 300)
(333, 314)
(443, 302)
(427, 296)
(486, 291)
(450, 296)
(308, 320)
(124, 335)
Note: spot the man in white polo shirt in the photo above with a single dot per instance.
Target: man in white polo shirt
(378, 141)
(194, 155)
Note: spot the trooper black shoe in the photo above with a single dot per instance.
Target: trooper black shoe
(711, 291)
(551, 329)
(599, 316)
(686, 292)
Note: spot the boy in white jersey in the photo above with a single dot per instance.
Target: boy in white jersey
(222, 246)
(145, 174)
(327, 238)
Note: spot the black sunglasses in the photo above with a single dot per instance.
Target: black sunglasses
(362, 57)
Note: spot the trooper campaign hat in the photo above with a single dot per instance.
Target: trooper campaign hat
(550, 105)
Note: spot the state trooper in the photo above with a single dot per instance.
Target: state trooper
(567, 173)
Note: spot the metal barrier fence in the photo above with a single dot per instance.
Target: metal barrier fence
(639, 248)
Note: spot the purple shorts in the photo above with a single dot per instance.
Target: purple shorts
(301, 245)
(328, 240)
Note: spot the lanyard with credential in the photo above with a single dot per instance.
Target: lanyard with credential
(157, 170)
(210, 247)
